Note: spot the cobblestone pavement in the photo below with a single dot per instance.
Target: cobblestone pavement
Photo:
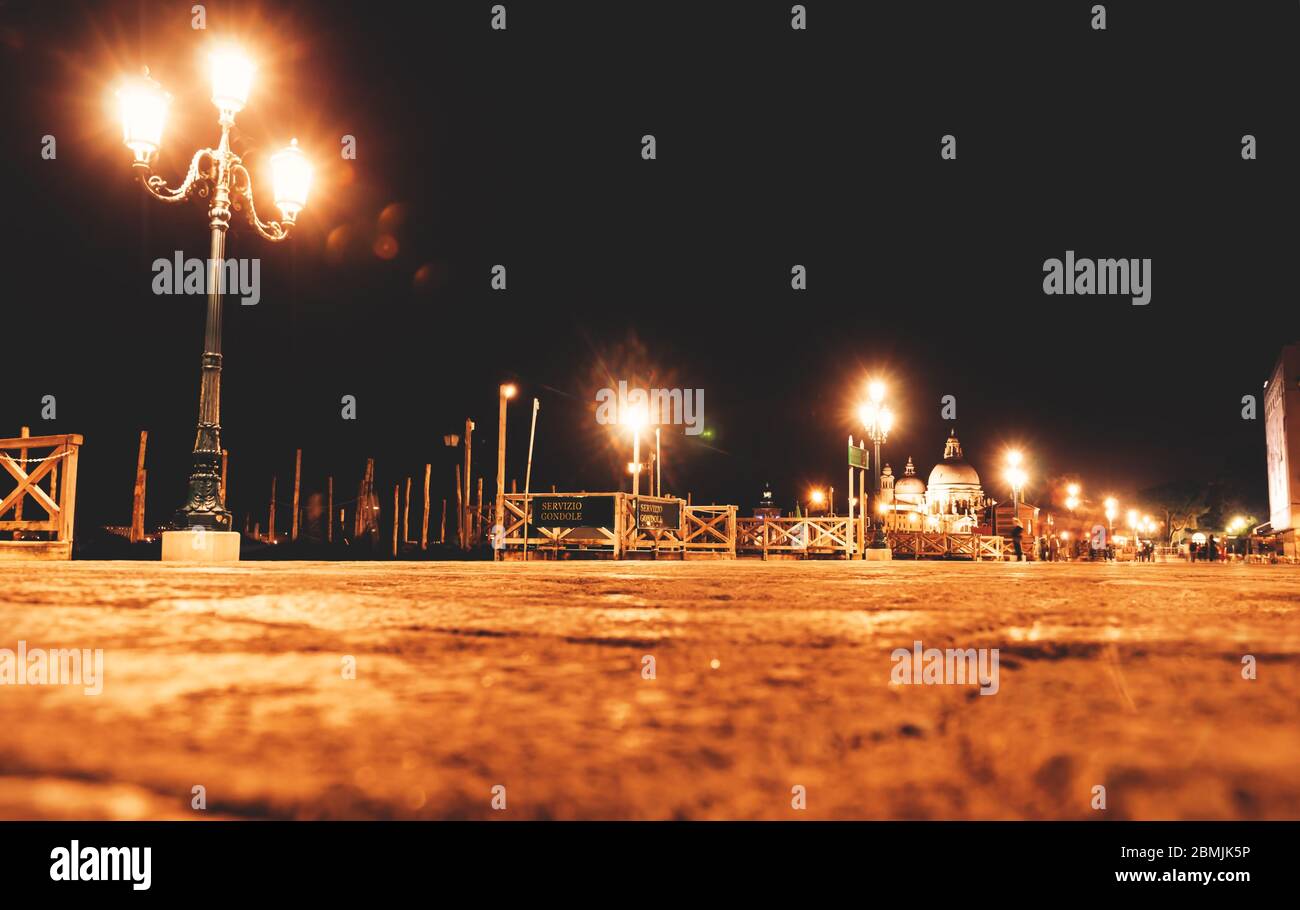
(768, 676)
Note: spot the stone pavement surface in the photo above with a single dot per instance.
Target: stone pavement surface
(767, 676)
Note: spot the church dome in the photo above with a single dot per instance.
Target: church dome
(953, 471)
(909, 484)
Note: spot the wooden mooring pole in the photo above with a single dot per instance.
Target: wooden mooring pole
(297, 485)
(137, 507)
(424, 524)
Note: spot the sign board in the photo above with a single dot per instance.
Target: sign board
(658, 515)
(550, 511)
(858, 458)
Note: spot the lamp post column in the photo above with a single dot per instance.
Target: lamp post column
(203, 505)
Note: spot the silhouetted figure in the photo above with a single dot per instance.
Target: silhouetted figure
(1017, 530)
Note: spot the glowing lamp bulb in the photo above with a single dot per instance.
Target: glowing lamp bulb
(232, 78)
(142, 105)
(291, 177)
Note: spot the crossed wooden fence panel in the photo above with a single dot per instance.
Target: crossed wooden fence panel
(795, 535)
(923, 545)
(56, 500)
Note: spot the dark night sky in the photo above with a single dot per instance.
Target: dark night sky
(775, 148)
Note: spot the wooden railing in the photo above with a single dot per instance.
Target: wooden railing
(703, 530)
(927, 545)
(823, 535)
(711, 530)
(49, 480)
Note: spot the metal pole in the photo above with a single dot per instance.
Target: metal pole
(659, 467)
(528, 472)
(636, 462)
(499, 514)
(203, 506)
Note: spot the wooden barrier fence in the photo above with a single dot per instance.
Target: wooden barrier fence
(821, 536)
(925, 545)
(57, 499)
(704, 530)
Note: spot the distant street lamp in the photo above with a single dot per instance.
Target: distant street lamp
(877, 419)
(636, 419)
(220, 174)
(505, 392)
(1072, 496)
(816, 499)
(1016, 477)
(1112, 509)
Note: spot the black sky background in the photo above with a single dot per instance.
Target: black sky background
(775, 148)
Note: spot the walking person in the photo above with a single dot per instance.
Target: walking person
(1017, 531)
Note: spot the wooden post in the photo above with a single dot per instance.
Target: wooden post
(396, 488)
(297, 483)
(329, 509)
(225, 464)
(137, 508)
(406, 514)
(424, 524)
(22, 460)
(513, 484)
(442, 528)
(270, 520)
(528, 473)
(460, 511)
(465, 516)
(356, 508)
(478, 512)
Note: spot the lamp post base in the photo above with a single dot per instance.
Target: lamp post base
(200, 546)
(878, 554)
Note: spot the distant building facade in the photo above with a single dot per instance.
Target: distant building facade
(1282, 442)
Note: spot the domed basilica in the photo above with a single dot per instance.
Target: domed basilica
(952, 502)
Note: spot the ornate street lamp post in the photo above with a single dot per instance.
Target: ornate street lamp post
(1016, 478)
(877, 419)
(217, 174)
